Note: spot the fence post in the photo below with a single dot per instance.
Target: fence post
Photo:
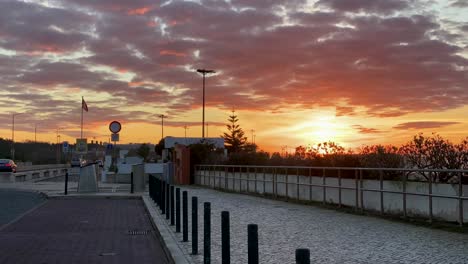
(66, 182)
(460, 200)
(177, 210)
(225, 238)
(207, 233)
(382, 208)
(252, 243)
(302, 256)
(172, 206)
(194, 225)
(184, 216)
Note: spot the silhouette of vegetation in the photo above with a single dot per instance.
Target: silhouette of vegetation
(432, 152)
(234, 139)
(143, 151)
(35, 152)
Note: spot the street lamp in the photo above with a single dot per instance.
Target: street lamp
(13, 136)
(204, 72)
(162, 125)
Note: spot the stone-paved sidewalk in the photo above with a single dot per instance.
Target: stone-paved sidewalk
(91, 230)
(331, 236)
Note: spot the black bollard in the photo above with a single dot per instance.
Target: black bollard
(252, 246)
(177, 210)
(194, 225)
(168, 191)
(156, 191)
(150, 185)
(225, 238)
(172, 206)
(184, 216)
(66, 182)
(131, 182)
(302, 256)
(207, 233)
(163, 197)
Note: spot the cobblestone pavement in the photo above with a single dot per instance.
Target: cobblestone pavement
(82, 231)
(331, 236)
(13, 203)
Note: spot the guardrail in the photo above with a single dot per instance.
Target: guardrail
(34, 172)
(364, 189)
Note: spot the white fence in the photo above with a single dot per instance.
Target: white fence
(434, 201)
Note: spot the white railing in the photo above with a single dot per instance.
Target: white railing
(382, 190)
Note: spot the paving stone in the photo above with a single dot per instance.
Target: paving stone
(331, 236)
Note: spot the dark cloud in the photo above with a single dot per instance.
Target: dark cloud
(423, 125)
(386, 65)
(460, 3)
(366, 130)
(367, 6)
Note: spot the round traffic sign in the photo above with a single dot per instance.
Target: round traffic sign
(115, 127)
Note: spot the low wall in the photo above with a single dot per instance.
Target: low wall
(34, 173)
(371, 195)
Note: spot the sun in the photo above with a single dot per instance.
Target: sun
(320, 129)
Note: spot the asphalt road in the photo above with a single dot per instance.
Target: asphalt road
(14, 203)
(82, 231)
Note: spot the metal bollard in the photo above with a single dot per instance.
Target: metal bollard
(225, 238)
(178, 210)
(194, 225)
(163, 197)
(66, 182)
(172, 206)
(207, 233)
(168, 190)
(252, 243)
(302, 256)
(131, 182)
(184, 216)
(156, 191)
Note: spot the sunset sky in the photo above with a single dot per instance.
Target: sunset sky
(298, 72)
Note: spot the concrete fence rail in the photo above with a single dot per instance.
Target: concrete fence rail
(433, 201)
(34, 172)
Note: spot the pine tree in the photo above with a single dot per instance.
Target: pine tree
(234, 139)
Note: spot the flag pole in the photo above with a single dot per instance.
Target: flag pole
(82, 100)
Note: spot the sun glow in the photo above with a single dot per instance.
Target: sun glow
(320, 129)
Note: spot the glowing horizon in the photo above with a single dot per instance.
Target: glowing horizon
(298, 73)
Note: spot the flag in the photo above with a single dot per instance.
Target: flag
(84, 105)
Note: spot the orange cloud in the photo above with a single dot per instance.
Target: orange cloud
(151, 23)
(139, 11)
(172, 53)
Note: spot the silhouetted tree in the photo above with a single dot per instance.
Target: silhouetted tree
(434, 153)
(234, 139)
(143, 151)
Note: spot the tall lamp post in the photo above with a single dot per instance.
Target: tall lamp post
(13, 135)
(162, 125)
(204, 72)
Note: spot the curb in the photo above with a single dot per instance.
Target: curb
(165, 235)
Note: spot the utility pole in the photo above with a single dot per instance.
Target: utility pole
(35, 133)
(13, 136)
(253, 131)
(162, 125)
(185, 128)
(204, 72)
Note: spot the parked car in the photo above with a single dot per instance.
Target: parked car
(76, 162)
(7, 165)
